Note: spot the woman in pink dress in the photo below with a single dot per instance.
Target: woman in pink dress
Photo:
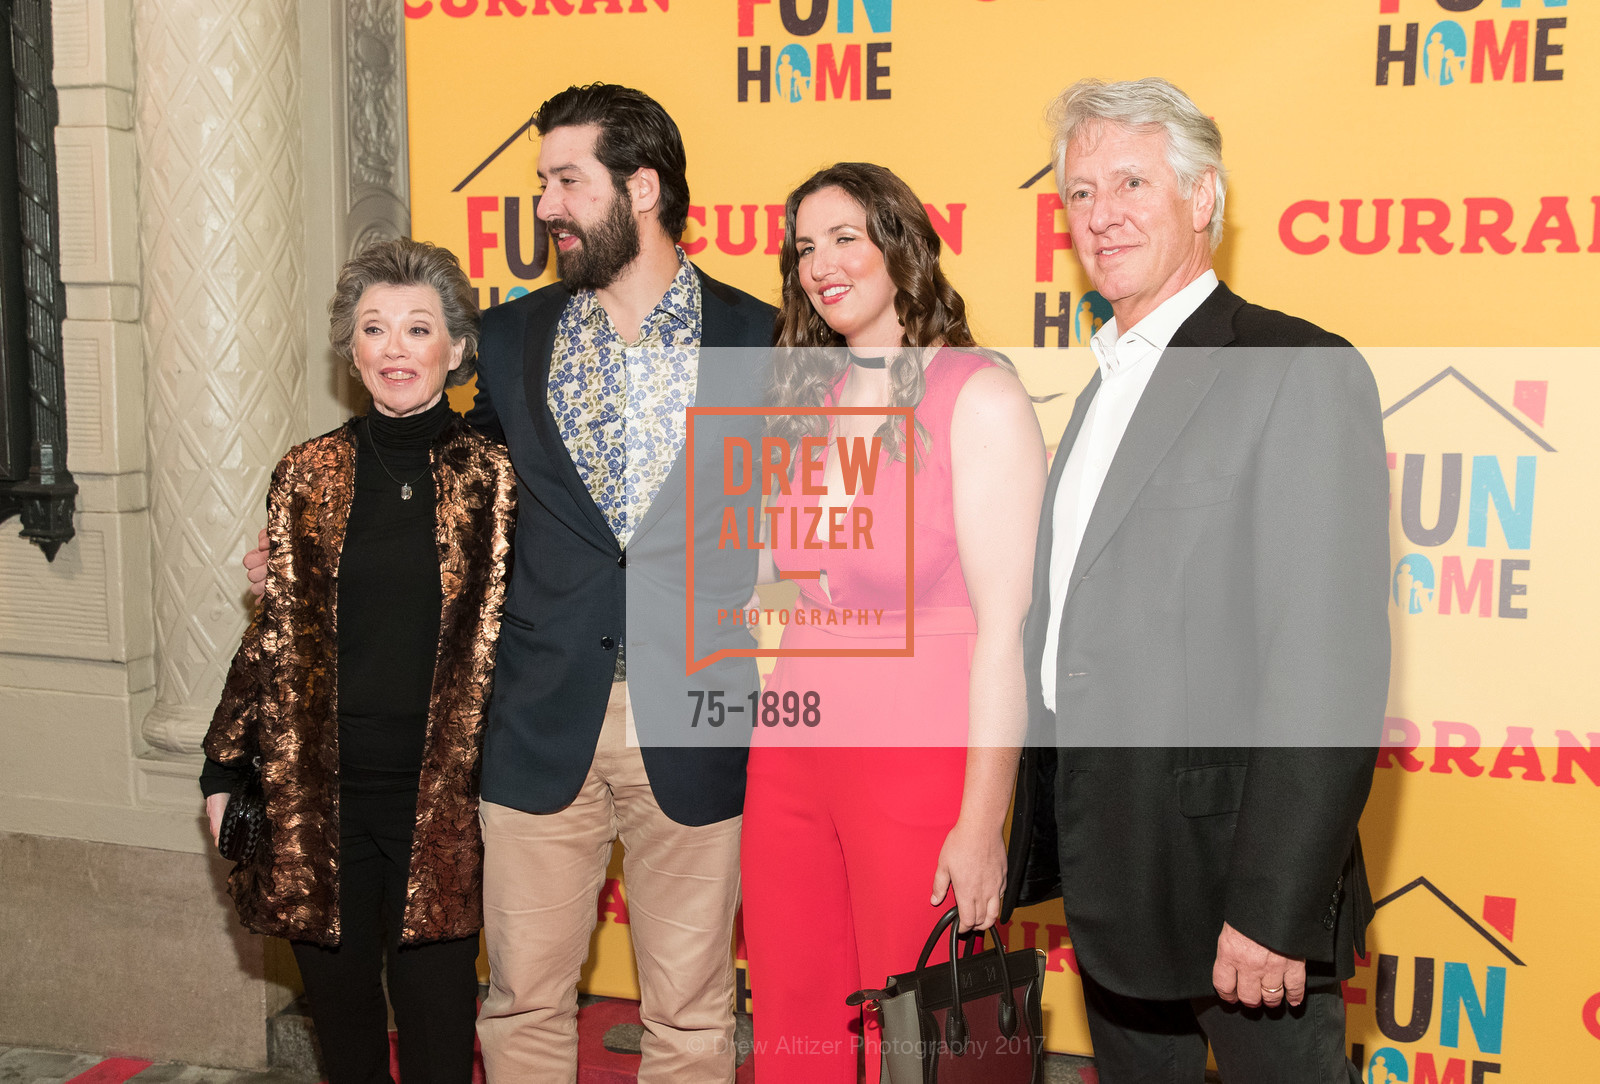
(885, 804)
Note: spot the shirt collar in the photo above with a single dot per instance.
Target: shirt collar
(1116, 352)
(681, 302)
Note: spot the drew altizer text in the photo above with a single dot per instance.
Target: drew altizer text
(752, 495)
(805, 527)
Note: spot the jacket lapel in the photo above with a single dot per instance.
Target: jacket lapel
(339, 495)
(447, 536)
(538, 345)
(1182, 376)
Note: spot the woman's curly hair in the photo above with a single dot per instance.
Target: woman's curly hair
(930, 311)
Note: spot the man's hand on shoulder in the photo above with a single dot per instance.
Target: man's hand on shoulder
(1249, 972)
(255, 565)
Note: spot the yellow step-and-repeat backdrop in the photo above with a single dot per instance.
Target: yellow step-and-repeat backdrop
(1421, 176)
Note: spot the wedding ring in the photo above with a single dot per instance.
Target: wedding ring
(1273, 990)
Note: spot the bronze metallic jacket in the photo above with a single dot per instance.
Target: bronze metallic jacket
(281, 696)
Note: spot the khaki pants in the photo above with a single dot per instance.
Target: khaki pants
(542, 877)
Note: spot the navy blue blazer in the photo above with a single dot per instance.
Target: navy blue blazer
(568, 607)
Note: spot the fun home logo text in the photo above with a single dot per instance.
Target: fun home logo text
(1440, 1003)
(1058, 315)
(1465, 518)
(1463, 582)
(1462, 1006)
(794, 65)
(1495, 41)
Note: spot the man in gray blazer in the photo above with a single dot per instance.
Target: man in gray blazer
(1208, 647)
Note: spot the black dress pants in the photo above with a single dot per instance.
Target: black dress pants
(1137, 1041)
(433, 987)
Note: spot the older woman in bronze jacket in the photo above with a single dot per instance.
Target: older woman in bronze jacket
(362, 682)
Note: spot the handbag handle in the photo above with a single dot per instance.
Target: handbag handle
(955, 1022)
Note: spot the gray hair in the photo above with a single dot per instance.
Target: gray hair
(404, 262)
(1194, 143)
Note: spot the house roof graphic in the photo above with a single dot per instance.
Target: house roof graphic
(1037, 177)
(498, 151)
(1423, 882)
(1451, 372)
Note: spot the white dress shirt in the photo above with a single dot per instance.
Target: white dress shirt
(1126, 364)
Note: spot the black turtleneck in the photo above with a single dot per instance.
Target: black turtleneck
(389, 600)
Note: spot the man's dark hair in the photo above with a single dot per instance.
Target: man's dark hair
(635, 133)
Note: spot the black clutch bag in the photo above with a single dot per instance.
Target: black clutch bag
(977, 1018)
(244, 831)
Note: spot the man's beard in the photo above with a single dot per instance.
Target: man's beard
(604, 249)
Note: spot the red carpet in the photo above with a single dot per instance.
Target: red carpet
(111, 1071)
(596, 1064)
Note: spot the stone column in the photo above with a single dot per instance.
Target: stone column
(377, 185)
(217, 127)
(356, 183)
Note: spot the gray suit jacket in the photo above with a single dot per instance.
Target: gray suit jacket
(1223, 663)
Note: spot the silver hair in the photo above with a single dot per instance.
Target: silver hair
(1194, 143)
(404, 262)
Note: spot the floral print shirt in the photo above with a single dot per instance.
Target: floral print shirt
(621, 407)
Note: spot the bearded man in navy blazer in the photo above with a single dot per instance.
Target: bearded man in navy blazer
(1208, 647)
(588, 381)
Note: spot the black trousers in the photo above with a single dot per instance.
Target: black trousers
(1164, 1042)
(433, 987)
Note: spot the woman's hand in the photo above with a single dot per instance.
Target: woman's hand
(973, 862)
(215, 804)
